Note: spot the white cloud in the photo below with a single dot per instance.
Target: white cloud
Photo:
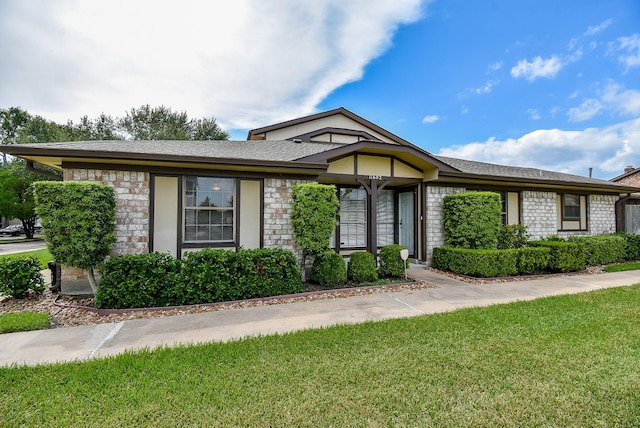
(487, 87)
(431, 119)
(631, 47)
(247, 62)
(533, 114)
(495, 66)
(598, 28)
(608, 150)
(585, 111)
(547, 68)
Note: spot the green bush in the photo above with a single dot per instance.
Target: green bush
(266, 272)
(205, 276)
(477, 263)
(633, 245)
(329, 269)
(391, 264)
(533, 260)
(208, 275)
(313, 216)
(472, 220)
(362, 267)
(513, 236)
(563, 256)
(19, 275)
(23, 321)
(78, 222)
(603, 249)
(139, 281)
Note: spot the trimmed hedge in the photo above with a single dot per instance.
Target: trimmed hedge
(633, 245)
(206, 276)
(362, 267)
(19, 275)
(472, 220)
(603, 249)
(391, 264)
(564, 256)
(533, 260)
(478, 263)
(329, 268)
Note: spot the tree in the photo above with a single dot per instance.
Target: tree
(78, 221)
(11, 120)
(16, 194)
(104, 127)
(161, 123)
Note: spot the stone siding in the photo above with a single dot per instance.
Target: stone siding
(434, 223)
(132, 209)
(602, 214)
(539, 213)
(278, 230)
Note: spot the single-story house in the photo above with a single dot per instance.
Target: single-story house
(177, 196)
(628, 207)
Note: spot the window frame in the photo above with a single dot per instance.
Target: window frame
(233, 209)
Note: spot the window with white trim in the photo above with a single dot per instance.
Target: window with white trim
(209, 209)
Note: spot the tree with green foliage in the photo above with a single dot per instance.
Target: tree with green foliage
(11, 120)
(313, 216)
(161, 123)
(78, 221)
(16, 194)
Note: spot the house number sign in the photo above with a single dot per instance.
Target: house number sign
(375, 177)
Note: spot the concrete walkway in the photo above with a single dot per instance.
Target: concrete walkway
(101, 340)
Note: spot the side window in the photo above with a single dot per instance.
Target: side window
(570, 207)
(572, 212)
(209, 209)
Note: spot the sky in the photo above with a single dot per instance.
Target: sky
(536, 83)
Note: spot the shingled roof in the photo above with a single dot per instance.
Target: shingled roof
(513, 172)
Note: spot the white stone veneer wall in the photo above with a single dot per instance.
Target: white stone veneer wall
(539, 213)
(278, 231)
(434, 224)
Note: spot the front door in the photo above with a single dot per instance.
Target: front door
(406, 221)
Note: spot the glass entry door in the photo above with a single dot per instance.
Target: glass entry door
(406, 221)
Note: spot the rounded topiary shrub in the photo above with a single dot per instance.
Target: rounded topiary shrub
(391, 264)
(329, 269)
(362, 267)
(19, 275)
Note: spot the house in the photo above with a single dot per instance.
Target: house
(628, 207)
(177, 196)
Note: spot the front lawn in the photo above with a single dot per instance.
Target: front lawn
(622, 267)
(561, 361)
(23, 321)
(43, 255)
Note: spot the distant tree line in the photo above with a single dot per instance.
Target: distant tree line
(17, 126)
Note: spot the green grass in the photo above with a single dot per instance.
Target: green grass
(622, 267)
(23, 321)
(560, 361)
(43, 255)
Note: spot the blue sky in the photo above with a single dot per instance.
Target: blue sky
(547, 84)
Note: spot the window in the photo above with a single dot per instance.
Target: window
(209, 209)
(571, 207)
(353, 218)
(572, 211)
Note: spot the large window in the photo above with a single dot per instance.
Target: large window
(209, 209)
(353, 218)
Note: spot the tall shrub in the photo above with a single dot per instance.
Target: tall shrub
(313, 216)
(78, 222)
(391, 263)
(472, 220)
